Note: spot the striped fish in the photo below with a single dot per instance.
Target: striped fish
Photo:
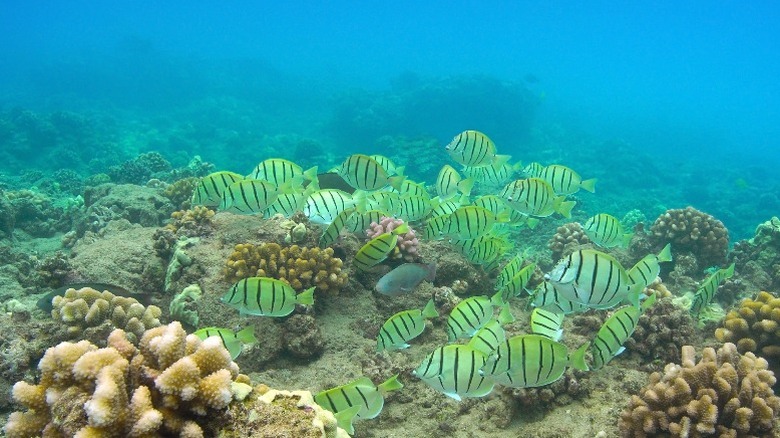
(443, 207)
(475, 149)
(595, 279)
(387, 164)
(545, 296)
(547, 323)
(287, 204)
(703, 296)
(469, 222)
(361, 222)
(471, 314)
(565, 181)
(605, 230)
(488, 337)
(265, 296)
(249, 196)
(376, 250)
(533, 170)
(483, 250)
(453, 371)
(434, 227)
(403, 327)
(529, 361)
(324, 205)
(365, 173)
(412, 188)
(414, 208)
(449, 183)
(231, 340)
(280, 171)
(332, 231)
(209, 190)
(517, 284)
(535, 197)
(490, 174)
(359, 399)
(610, 338)
(647, 270)
(508, 272)
(384, 201)
(492, 203)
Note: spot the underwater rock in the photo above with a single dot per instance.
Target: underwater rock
(302, 337)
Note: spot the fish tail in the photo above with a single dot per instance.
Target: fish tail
(311, 174)
(666, 254)
(247, 335)
(465, 186)
(578, 358)
(391, 384)
(649, 301)
(589, 185)
(345, 417)
(634, 293)
(498, 299)
(430, 310)
(396, 181)
(564, 207)
(506, 317)
(532, 222)
(730, 271)
(499, 161)
(306, 297)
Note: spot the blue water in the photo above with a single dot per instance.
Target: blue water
(679, 99)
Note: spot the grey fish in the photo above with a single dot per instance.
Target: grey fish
(45, 302)
(405, 278)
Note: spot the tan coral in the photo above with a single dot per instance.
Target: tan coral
(754, 326)
(197, 221)
(87, 307)
(693, 231)
(300, 267)
(174, 384)
(568, 238)
(707, 397)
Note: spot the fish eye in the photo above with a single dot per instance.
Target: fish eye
(446, 148)
(509, 199)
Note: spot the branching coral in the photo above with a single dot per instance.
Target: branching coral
(755, 326)
(724, 394)
(567, 238)
(407, 246)
(170, 383)
(301, 267)
(87, 307)
(690, 230)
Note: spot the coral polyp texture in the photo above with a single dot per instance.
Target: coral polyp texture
(724, 394)
(194, 222)
(300, 267)
(407, 247)
(662, 330)
(755, 326)
(690, 230)
(170, 384)
(567, 238)
(85, 308)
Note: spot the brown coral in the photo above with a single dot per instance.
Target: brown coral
(194, 222)
(567, 239)
(662, 331)
(169, 384)
(690, 230)
(86, 308)
(724, 394)
(301, 267)
(755, 326)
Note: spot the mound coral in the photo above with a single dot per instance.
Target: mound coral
(724, 394)
(301, 267)
(695, 232)
(567, 238)
(755, 326)
(194, 222)
(758, 258)
(180, 192)
(170, 383)
(407, 247)
(662, 330)
(87, 307)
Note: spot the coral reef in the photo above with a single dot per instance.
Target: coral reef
(86, 308)
(758, 258)
(183, 306)
(662, 331)
(754, 327)
(301, 267)
(169, 383)
(725, 393)
(567, 239)
(563, 391)
(303, 338)
(180, 192)
(407, 247)
(694, 232)
(140, 169)
(54, 270)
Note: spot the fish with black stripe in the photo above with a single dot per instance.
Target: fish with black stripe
(265, 296)
(547, 323)
(595, 279)
(449, 183)
(610, 338)
(470, 222)
(249, 196)
(365, 173)
(472, 313)
(279, 171)
(475, 149)
(376, 250)
(488, 337)
(605, 230)
(233, 341)
(324, 205)
(453, 371)
(535, 197)
(565, 181)
(529, 361)
(703, 296)
(516, 286)
(210, 188)
(357, 400)
(404, 326)
(646, 270)
(332, 231)
(545, 296)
